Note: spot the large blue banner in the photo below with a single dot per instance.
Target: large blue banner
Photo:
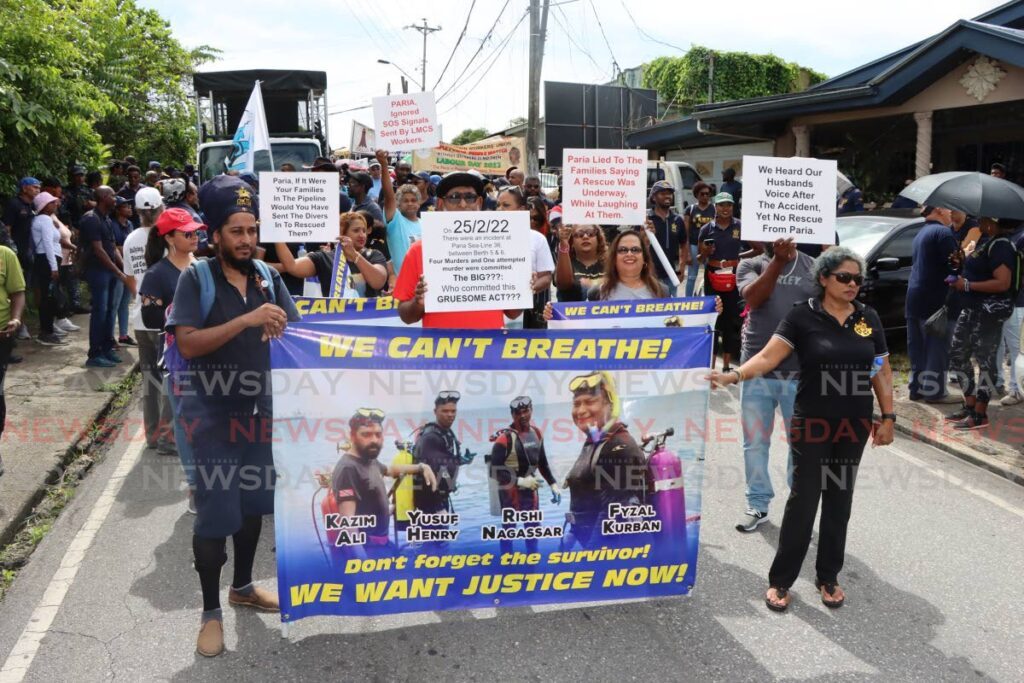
(444, 469)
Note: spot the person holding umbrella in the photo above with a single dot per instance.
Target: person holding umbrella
(988, 300)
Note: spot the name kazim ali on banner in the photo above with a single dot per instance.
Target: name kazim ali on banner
(465, 469)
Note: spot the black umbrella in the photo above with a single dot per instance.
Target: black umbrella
(976, 194)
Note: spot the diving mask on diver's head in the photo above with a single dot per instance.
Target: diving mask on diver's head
(448, 396)
(598, 383)
(520, 403)
(365, 416)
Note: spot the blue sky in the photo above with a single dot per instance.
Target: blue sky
(345, 38)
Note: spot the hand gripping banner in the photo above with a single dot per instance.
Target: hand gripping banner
(446, 469)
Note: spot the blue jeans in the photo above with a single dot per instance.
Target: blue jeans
(758, 400)
(691, 271)
(929, 360)
(102, 288)
(122, 297)
(1010, 344)
(188, 461)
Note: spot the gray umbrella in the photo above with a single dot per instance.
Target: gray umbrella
(976, 194)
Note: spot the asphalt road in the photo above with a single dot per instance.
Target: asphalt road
(932, 577)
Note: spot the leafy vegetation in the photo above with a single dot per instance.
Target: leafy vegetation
(470, 135)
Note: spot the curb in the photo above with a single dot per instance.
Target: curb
(81, 445)
(962, 453)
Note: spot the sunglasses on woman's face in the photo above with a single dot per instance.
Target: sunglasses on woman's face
(585, 233)
(703, 194)
(845, 278)
(630, 250)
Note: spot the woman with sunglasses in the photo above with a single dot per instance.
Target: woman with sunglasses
(512, 199)
(170, 249)
(628, 271)
(695, 218)
(581, 259)
(610, 468)
(986, 297)
(368, 274)
(843, 358)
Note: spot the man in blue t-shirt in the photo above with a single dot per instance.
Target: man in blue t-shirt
(926, 292)
(401, 215)
(104, 270)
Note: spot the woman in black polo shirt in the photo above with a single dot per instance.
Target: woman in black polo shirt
(843, 359)
(368, 274)
(580, 265)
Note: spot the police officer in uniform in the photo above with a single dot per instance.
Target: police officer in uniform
(610, 468)
(438, 447)
(668, 227)
(234, 472)
(516, 458)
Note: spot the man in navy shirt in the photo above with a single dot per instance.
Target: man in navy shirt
(18, 215)
(721, 249)
(926, 293)
(669, 229)
(103, 271)
(229, 340)
(733, 187)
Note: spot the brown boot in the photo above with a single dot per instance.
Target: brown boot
(211, 638)
(260, 598)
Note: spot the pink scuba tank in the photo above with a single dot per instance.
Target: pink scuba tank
(668, 494)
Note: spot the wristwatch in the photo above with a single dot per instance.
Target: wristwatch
(889, 416)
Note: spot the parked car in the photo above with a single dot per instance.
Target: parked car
(886, 242)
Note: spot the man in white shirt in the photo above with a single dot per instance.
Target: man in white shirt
(156, 409)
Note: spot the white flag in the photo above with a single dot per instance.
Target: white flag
(251, 135)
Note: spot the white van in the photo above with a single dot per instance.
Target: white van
(680, 174)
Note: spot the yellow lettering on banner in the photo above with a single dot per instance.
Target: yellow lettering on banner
(585, 349)
(344, 346)
(445, 348)
(403, 589)
(639, 576)
(308, 592)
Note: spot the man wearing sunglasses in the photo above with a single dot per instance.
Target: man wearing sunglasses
(357, 484)
(457, 191)
(440, 450)
(516, 458)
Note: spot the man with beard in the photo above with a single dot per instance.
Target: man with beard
(225, 333)
(771, 283)
(532, 188)
(357, 484)
(668, 227)
(403, 171)
(439, 449)
(516, 459)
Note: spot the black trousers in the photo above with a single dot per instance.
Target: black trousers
(826, 454)
(47, 304)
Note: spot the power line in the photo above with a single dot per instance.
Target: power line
(645, 33)
(597, 16)
(457, 43)
(478, 50)
(501, 48)
(485, 65)
(572, 41)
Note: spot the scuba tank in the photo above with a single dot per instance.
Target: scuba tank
(403, 488)
(667, 492)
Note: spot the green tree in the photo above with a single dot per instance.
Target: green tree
(470, 135)
(737, 75)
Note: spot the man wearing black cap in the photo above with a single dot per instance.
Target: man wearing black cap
(18, 215)
(234, 472)
(77, 196)
(668, 227)
(103, 270)
(359, 186)
(457, 191)
(128, 190)
(933, 248)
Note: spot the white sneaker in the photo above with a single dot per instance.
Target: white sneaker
(1011, 399)
(60, 332)
(23, 332)
(66, 325)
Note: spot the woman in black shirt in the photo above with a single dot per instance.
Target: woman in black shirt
(367, 268)
(580, 260)
(843, 358)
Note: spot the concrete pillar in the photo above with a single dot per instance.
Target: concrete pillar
(802, 134)
(923, 159)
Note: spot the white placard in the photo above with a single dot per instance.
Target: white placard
(362, 139)
(477, 261)
(298, 207)
(789, 198)
(406, 122)
(604, 186)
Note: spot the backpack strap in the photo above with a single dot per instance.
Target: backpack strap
(266, 275)
(207, 290)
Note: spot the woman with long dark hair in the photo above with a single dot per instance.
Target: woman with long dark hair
(582, 252)
(628, 271)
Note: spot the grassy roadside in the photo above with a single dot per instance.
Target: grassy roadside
(78, 461)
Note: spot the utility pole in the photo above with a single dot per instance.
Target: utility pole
(426, 31)
(538, 32)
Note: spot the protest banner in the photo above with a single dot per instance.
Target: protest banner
(476, 261)
(693, 312)
(489, 157)
(580, 524)
(362, 139)
(382, 311)
(604, 186)
(407, 121)
(789, 198)
(298, 207)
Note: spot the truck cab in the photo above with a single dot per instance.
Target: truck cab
(298, 152)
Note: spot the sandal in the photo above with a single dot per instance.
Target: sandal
(780, 594)
(830, 589)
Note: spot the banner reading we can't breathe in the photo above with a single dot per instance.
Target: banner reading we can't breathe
(551, 477)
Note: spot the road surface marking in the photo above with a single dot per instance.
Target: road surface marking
(20, 658)
(957, 481)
